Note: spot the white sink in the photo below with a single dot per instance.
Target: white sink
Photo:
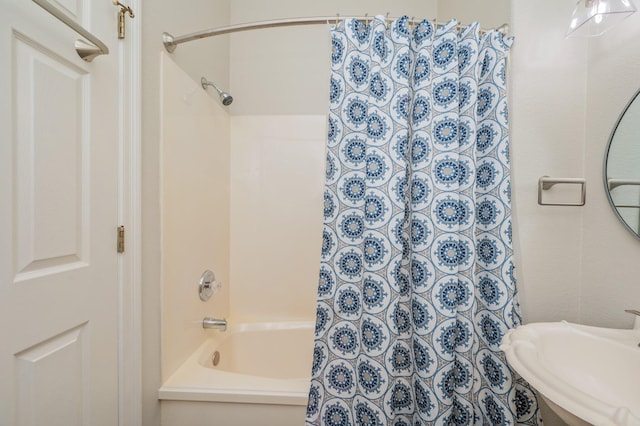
(587, 374)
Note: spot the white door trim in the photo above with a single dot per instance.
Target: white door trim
(130, 315)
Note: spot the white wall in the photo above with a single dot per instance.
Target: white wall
(547, 114)
(489, 13)
(576, 263)
(194, 196)
(611, 253)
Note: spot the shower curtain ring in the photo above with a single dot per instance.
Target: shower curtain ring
(337, 18)
(366, 19)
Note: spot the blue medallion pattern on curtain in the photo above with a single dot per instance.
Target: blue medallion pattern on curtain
(416, 282)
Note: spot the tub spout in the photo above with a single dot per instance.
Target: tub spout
(213, 323)
(636, 323)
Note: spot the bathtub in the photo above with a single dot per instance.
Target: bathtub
(261, 377)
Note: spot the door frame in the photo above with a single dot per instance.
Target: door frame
(129, 216)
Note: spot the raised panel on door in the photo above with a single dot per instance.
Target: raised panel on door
(50, 170)
(59, 282)
(51, 378)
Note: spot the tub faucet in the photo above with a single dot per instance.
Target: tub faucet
(636, 323)
(213, 323)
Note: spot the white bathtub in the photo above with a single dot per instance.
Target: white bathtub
(262, 378)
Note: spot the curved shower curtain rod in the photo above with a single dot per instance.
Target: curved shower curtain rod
(171, 42)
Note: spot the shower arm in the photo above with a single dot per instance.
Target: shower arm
(225, 98)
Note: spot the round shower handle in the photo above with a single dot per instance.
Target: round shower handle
(208, 285)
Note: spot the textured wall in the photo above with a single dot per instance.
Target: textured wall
(576, 263)
(611, 253)
(547, 113)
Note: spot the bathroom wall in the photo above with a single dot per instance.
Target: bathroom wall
(611, 253)
(575, 263)
(194, 195)
(205, 57)
(489, 13)
(547, 76)
(547, 112)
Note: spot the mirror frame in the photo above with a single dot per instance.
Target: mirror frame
(635, 97)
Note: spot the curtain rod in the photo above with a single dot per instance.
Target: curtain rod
(171, 42)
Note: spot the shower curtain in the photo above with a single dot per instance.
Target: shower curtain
(416, 284)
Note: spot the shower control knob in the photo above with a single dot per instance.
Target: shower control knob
(208, 285)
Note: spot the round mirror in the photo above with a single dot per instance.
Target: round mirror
(622, 167)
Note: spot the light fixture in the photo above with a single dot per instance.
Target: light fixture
(594, 17)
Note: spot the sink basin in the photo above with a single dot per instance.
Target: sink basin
(589, 375)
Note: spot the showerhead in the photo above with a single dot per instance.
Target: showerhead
(225, 97)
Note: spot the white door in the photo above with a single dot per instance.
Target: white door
(58, 217)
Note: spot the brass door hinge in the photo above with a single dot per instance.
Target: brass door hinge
(123, 11)
(120, 239)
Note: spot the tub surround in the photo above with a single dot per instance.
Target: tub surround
(277, 196)
(193, 413)
(262, 367)
(264, 363)
(194, 190)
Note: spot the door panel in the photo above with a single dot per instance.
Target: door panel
(59, 282)
(52, 381)
(48, 173)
